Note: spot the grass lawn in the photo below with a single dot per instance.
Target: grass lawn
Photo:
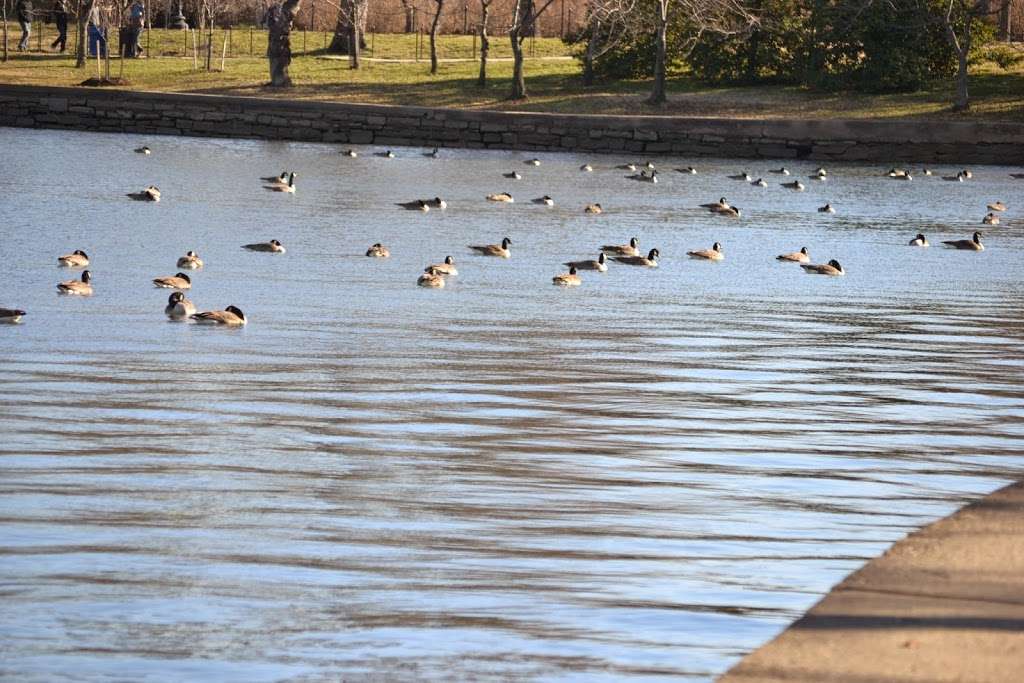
(390, 75)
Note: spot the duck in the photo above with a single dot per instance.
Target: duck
(631, 249)
(533, 162)
(830, 268)
(446, 268)
(649, 261)
(500, 197)
(593, 208)
(11, 315)
(288, 187)
(545, 200)
(76, 259)
(820, 173)
(191, 261)
(731, 211)
(759, 183)
(795, 185)
(386, 155)
(600, 264)
(350, 153)
(437, 203)
(919, 241)
(712, 254)
(926, 171)
(276, 179)
(645, 177)
(433, 154)
(179, 281)
(150, 194)
(741, 176)
(649, 165)
(966, 174)
(178, 307)
(378, 250)
(143, 150)
(720, 204)
(780, 171)
(81, 287)
(587, 168)
(826, 209)
(996, 206)
(958, 178)
(902, 175)
(796, 256)
(231, 316)
(272, 246)
(570, 279)
(973, 244)
(514, 175)
(501, 250)
(431, 280)
(990, 219)
(627, 167)
(415, 205)
(689, 170)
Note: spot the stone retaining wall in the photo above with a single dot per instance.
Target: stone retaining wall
(886, 142)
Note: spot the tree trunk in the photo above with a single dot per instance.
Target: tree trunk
(84, 8)
(588, 55)
(410, 16)
(355, 34)
(433, 36)
(485, 43)
(962, 49)
(518, 78)
(1004, 21)
(657, 97)
(340, 43)
(279, 49)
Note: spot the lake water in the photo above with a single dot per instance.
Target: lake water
(645, 476)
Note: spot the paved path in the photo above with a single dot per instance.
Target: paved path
(944, 604)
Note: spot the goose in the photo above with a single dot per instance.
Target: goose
(720, 204)
(631, 249)
(795, 185)
(689, 170)
(514, 175)
(433, 154)
(272, 246)
(973, 244)
(11, 315)
(820, 172)
(830, 268)
(545, 200)
(759, 183)
(996, 206)
(649, 261)
(586, 168)
(741, 176)
(415, 205)
(780, 171)
(143, 150)
(712, 254)
(796, 256)
(818, 176)
(902, 175)
(732, 211)
(386, 155)
(493, 249)
(500, 197)
(276, 179)
(990, 219)
(533, 162)
(446, 268)
(81, 287)
(288, 187)
(919, 241)
(570, 279)
(150, 194)
(627, 167)
(76, 259)
(431, 280)
(178, 307)
(826, 209)
(378, 250)
(231, 316)
(650, 165)
(926, 171)
(437, 203)
(600, 265)
(966, 174)
(350, 153)
(1017, 176)
(179, 281)
(644, 177)
(593, 208)
(958, 178)
(191, 261)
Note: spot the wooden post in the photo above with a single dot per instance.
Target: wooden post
(474, 47)
(149, 32)
(250, 41)
(5, 30)
(195, 51)
(562, 32)
(39, 36)
(224, 51)
(186, 42)
(303, 41)
(231, 43)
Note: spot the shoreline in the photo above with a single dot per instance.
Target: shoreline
(889, 142)
(946, 603)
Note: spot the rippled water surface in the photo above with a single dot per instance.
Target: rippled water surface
(645, 476)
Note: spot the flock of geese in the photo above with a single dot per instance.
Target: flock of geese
(179, 308)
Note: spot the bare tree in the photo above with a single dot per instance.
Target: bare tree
(433, 36)
(958, 20)
(524, 24)
(83, 10)
(409, 12)
(485, 42)
(349, 29)
(609, 24)
(279, 19)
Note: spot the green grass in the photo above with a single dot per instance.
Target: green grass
(552, 81)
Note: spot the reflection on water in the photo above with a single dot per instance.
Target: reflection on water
(649, 475)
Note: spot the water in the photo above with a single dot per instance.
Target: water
(647, 476)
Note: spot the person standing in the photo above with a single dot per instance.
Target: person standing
(136, 22)
(60, 17)
(24, 10)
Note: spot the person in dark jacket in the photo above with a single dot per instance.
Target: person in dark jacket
(24, 10)
(60, 17)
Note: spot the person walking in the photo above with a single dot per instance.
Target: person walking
(24, 11)
(60, 17)
(136, 22)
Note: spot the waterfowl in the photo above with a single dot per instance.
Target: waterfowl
(386, 155)
(586, 168)
(143, 150)
(966, 174)
(433, 154)
(996, 206)
(446, 268)
(818, 176)
(826, 209)
(431, 280)
(178, 307)
(283, 187)
(731, 211)
(272, 246)
(350, 153)
(545, 200)
(650, 165)
(11, 315)
(378, 250)
(231, 316)
(76, 259)
(570, 279)
(741, 176)
(820, 172)
(902, 175)
(593, 208)
(759, 183)
(501, 250)
(720, 204)
(150, 194)
(276, 179)
(533, 162)
(437, 203)
(179, 281)
(796, 256)
(649, 261)
(712, 254)
(500, 197)
(81, 287)
(990, 219)
(415, 205)
(973, 244)
(631, 249)
(780, 171)
(926, 171)
(645, 177)
(919, 241)
(689, 170)
(600, 264)
(958, 178)
(191, 261)
(1017, 176)
(627, 167)
(514, 175)
(795, 185)
(830, 268)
